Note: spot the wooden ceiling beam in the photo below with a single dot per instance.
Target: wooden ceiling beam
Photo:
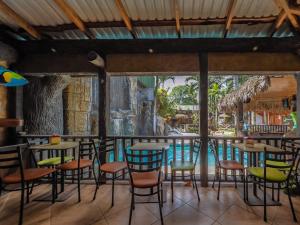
(125, 17)
(5, 9)
(283, 4)
(72, 15)
(182, 45)
(230, 14)
(177, 17)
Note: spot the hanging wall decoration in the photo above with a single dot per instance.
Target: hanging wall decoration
(9, 78)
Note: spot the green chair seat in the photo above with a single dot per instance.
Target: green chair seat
(179, 165)
(53, 161)
(272, 174)
(279, 164)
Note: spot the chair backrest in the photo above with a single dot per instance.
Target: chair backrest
(289, 157)
(213, 145)
(106, 150)
(139, 161)
(88, 150)
(11, 158)
(196, 150)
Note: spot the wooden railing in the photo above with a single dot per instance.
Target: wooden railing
(180, 149)
(268, 129)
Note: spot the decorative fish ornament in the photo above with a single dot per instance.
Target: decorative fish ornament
(9, 78)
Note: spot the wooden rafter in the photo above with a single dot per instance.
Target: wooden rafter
(230, 15)
(19, 20)
(125, 16)
(177, 17)
(279, 21)
(72, 15)
(283, 4)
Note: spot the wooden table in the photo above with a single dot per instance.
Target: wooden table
(62, 146)
(141, 146)
(255, 150)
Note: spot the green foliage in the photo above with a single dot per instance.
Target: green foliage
(165, 106)
(184, 95)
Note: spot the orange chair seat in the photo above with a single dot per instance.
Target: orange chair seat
(145, 179)
(73, 165)
(29, 175)
(231, 165)
(113, 167)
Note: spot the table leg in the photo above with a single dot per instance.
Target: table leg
(62, 175)
(254, 183)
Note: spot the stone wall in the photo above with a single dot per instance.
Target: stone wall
(78, 118)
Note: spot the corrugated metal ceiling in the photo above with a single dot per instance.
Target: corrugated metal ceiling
(46, 13)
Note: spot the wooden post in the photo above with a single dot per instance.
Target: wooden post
(297, 77)
(203, 121)
(102, 103)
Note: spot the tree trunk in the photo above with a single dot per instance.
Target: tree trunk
(43, 104)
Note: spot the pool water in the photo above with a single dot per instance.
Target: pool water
(186, 154)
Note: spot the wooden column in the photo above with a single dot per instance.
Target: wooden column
(297, 77)
(203, 121)
(102, 103)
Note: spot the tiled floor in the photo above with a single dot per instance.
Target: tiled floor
(186, 210)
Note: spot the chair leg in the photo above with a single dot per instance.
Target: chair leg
(265, 201)
(96, 182)
(113, 191)
(162, 194)
(278, 192)
(235, 183)
(194, 181)
(291, 203)
(159, 202)
(31, 189)
(132, 205)
(213, 184)
(78, 184)
(172, 185)
(53, 187)
(27, 192)
(219, 185)
(22, 205)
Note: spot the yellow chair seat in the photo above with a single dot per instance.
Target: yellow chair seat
(53, 161)
(272, 174)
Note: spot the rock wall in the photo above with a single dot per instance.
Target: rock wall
(43, 104)
(78, 116)
(131, 108)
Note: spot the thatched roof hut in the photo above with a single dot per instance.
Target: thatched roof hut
(245, 93)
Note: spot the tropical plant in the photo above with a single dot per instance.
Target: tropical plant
(165, 106)
(184, 95)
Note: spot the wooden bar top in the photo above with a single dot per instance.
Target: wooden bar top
(64, 145)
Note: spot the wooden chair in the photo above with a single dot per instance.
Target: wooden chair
(11, 158)
(106, 152)
(188, 166)
(279, 172)
(87, 157)
(145, 173)
(225, 165)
